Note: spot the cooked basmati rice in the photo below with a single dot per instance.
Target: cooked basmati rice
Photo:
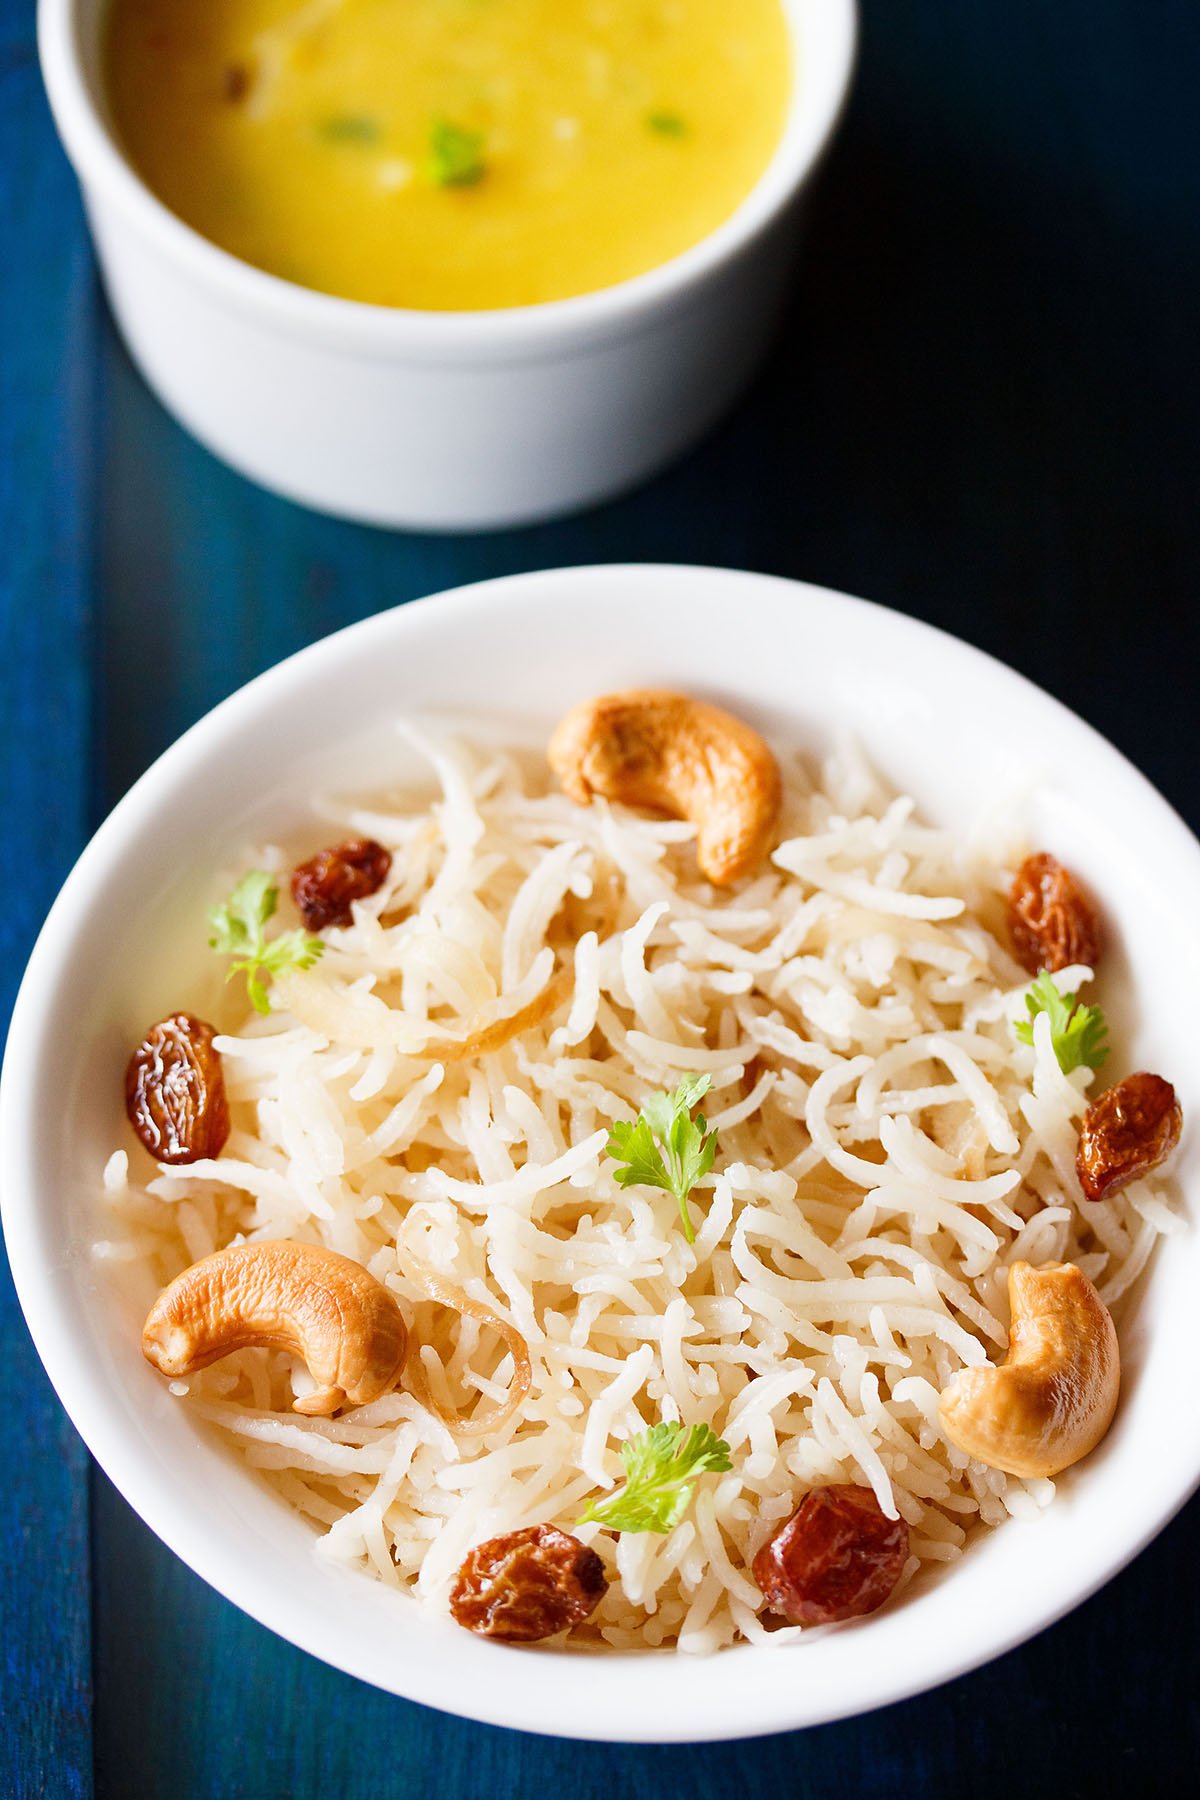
(886, 1151)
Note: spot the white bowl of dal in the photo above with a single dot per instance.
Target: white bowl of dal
(442, 420)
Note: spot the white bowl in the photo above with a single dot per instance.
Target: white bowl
(441, 420)
(943, 721)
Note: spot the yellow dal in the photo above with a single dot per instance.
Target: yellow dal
(298, 134)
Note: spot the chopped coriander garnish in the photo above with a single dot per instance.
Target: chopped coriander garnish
(239, 930)
(665, 1147)
(667, 124)
(661, 1466)
(349, 128)
(1076, 1032)
(455, 155)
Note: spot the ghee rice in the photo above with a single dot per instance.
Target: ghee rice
(886, 1150)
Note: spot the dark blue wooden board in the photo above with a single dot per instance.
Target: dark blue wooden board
(985, 410)
(46, 601)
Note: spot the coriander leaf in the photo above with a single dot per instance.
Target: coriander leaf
(665, 1147)
(667, 124)
(455, 155)
(1077, 1033)
(662, 1110)
(349, 128)
(239, 930)
(630, 1142)
(238, 925)
(661, 1467)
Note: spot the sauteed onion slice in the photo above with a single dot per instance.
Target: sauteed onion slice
(365, 1022)
(485, 1038)
(448, 1293)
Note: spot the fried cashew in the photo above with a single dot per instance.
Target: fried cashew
(302, 1298)
(650, 747)
(1053, 1397)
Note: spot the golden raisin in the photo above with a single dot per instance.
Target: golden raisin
(324, 886)
(175, 1091)
(1128, 1131)
(837, 1557)
(1050, 918)
(527, 1585)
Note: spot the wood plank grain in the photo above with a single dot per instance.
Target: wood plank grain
(46, 321)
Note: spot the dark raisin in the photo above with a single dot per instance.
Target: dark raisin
(527, 1585)
(175, 1091)
(837, 1557)
(1051, 919)
(324, 886)
(1128, 1131)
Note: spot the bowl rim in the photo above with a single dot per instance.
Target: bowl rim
(39, 1268)
(813, 115)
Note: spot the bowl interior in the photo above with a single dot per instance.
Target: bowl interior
(70, 44)
(956, 729)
